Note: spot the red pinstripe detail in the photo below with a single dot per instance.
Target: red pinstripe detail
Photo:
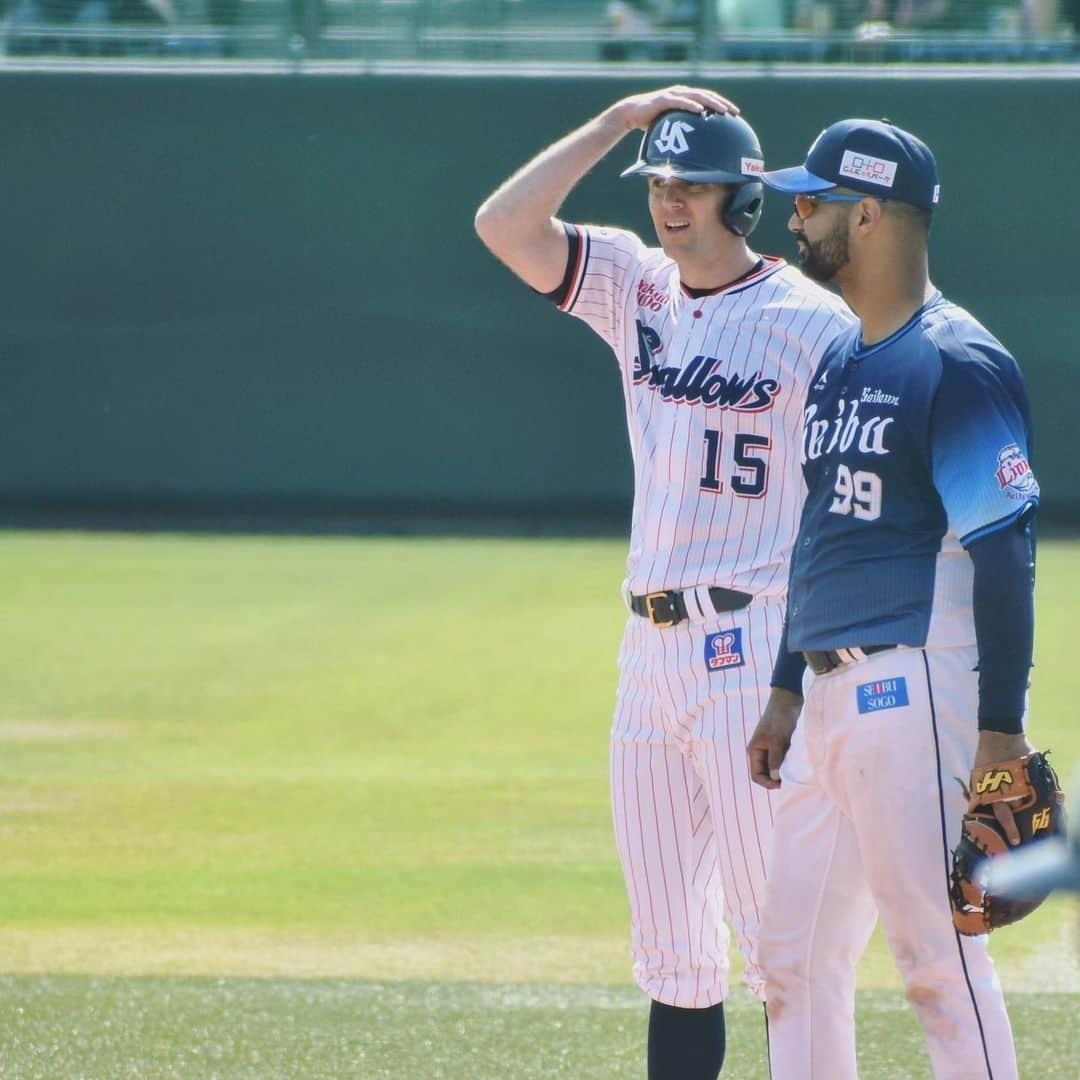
(735, 798)
(759, 615)
(687, 639)
(732, 899)
(630, 873)
(699, 791)
(680, 880)
(773, 646)
(688, 814)
(663, 865)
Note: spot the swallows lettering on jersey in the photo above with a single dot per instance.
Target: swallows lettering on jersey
(822, 437)
(697, 382)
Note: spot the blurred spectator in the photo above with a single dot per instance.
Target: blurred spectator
(1034, 16)
(634, 25)
(686, 15)
(679, 14)
(82, 17)
(630, 23)
(1041, 17)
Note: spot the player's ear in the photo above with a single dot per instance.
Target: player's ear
(869, 214)
(870, 211)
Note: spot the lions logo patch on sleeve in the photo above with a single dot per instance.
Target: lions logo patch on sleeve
(724, 649)
(1014, 475)
(883, 694)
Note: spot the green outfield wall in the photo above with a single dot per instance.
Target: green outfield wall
(266, 291)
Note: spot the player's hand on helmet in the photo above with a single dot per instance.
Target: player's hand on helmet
(768, 746)
(639, 110)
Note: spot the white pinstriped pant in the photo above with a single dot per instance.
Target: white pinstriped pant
(691, 829)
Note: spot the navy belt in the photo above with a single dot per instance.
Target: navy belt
(668, 607)
(821, 662)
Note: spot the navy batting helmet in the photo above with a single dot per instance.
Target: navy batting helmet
(707, 148)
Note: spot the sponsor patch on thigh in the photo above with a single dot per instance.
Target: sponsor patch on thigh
(724, 649)
(882, 694)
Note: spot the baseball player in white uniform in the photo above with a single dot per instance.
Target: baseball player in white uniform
(716, 345)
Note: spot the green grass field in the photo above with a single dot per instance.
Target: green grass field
(338, 808)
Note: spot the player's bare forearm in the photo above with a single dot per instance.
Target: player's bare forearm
(1000, 746)
(518, 221)
(768, 746)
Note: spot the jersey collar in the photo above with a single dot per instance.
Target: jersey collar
(861, 351)
(766, 265)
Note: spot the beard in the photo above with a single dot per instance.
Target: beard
(823, 260)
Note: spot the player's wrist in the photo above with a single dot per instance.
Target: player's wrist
(618, 119)
(1001, 746)
(781, 695)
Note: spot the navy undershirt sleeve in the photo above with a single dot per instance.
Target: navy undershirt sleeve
(1004, 623)
(559, 295)
(789, 667)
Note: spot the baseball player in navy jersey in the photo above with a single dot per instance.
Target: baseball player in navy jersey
(910, 624)
(715, 345)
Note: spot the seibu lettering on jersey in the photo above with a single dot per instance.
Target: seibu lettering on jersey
(823, 436)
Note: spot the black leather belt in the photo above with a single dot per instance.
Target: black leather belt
(822, 662)
(668, 607)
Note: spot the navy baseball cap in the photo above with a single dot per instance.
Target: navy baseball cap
(871, 156)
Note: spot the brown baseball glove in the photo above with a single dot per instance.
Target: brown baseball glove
(1010, 803)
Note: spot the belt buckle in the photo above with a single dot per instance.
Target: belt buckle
(650, 608)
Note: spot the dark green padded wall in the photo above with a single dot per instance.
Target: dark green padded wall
(268, 287)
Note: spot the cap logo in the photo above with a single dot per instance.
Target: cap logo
(672, 138)
(752, 166)
(871, 170)
(937, 193)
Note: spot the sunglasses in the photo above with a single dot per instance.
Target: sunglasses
(805, 205)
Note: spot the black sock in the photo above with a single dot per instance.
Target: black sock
(686, 1044)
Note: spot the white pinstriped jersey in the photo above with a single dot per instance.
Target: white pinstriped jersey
(714, 389)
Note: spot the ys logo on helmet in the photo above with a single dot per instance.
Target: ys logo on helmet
(672, 138)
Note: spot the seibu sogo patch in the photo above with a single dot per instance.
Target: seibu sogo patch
(882, 694)
(724, 649)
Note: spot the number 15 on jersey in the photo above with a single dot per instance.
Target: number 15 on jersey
(748, 471)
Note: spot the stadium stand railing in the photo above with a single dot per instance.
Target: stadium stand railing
(598, 31)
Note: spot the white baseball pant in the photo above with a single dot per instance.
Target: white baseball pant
(868, 815)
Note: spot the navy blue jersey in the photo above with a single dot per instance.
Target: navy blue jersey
(913, 448)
